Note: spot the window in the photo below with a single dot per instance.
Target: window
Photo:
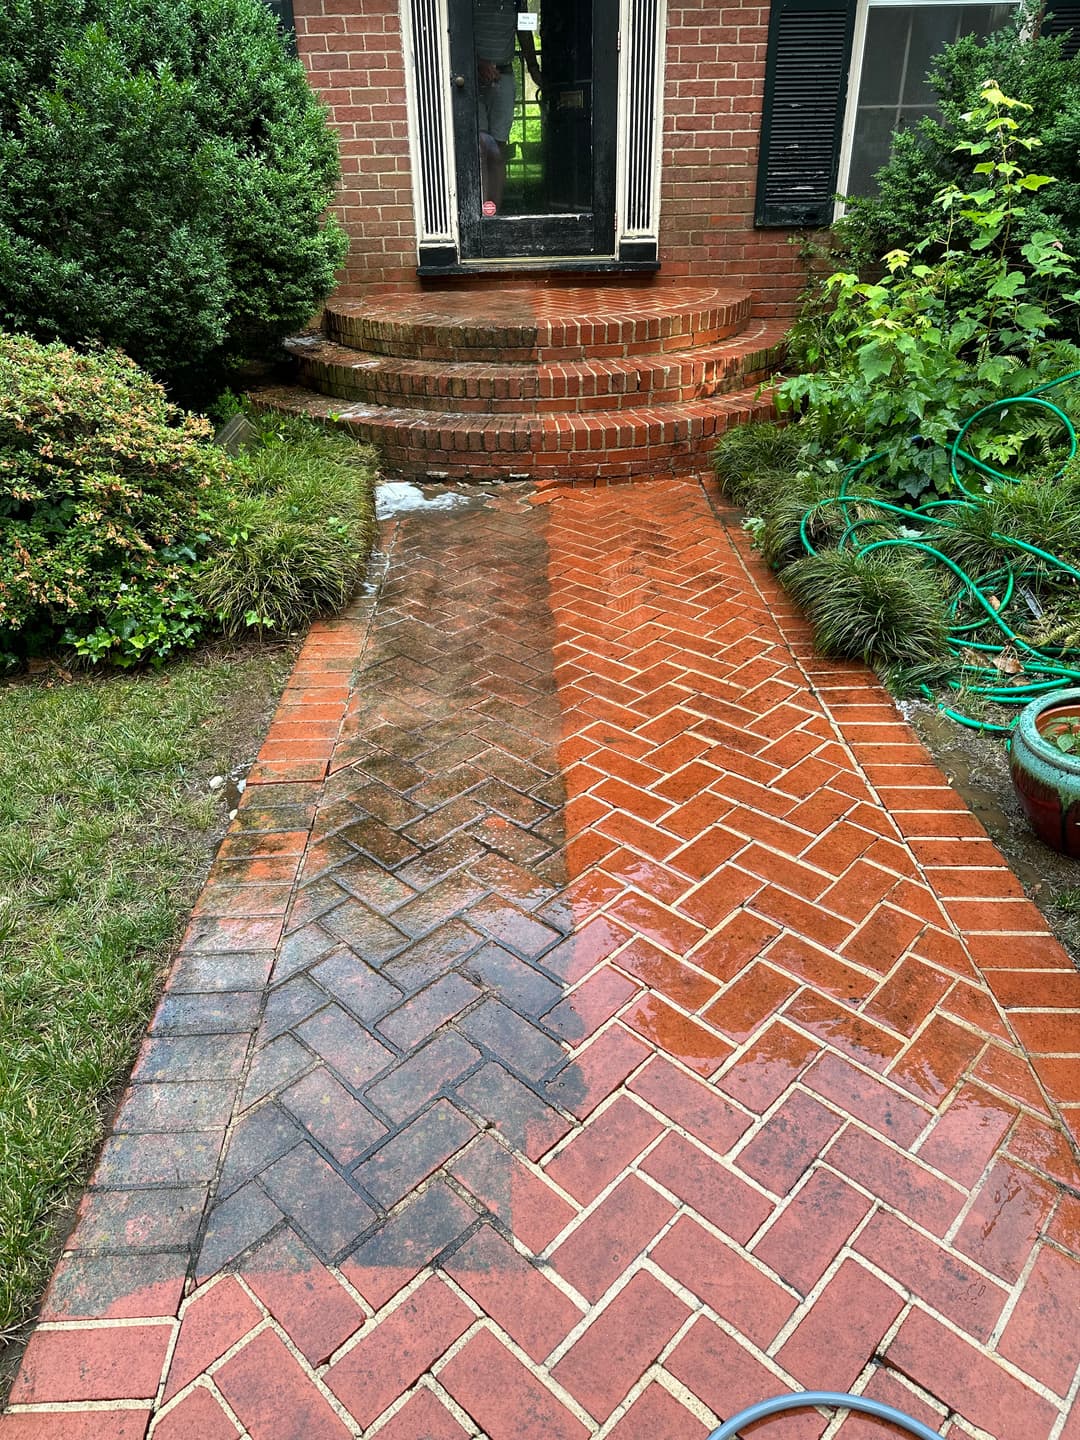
(893, 49)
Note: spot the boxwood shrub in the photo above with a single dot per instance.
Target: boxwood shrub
(164, 177)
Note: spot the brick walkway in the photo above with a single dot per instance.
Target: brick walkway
(601, 1015)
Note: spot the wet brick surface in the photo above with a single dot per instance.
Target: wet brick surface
(578, 1036)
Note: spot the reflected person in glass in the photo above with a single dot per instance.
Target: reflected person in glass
(495, 34)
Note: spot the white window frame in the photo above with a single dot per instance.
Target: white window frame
(858, 48)
(647, 226)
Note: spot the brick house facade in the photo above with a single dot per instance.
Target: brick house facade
(383, 77)
(713, 80)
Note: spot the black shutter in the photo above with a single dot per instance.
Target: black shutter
(1063, 19)
(806, 79)
(284, 12)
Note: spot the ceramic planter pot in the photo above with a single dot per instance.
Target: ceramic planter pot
(1046, 780)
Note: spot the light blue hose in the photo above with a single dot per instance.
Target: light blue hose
(829, 1399)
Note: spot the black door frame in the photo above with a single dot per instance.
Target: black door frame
(507, 237)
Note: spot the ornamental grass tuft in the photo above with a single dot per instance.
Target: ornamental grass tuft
(880, 608)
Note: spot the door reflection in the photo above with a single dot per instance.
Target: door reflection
(534, 106)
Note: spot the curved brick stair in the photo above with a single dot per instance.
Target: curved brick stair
(594, 382)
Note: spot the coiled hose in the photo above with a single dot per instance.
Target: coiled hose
(1045, 668)
(827, 1399)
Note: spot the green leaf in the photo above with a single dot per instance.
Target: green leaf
(993, 370)
(1031, 317)
(1009, 285)
(874, 361)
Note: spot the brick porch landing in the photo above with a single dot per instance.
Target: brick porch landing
(598, 381)
(601, 1015)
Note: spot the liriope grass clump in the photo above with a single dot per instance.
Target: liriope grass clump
(809, 509)
(1040, 510)
(884, 608)
(752, 459)
(889, 608)
(295, 530)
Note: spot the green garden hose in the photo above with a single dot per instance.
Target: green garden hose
(978, 640)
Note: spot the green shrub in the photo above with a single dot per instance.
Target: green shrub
(126, 535)
(924, 159)
(103, 484)
(295, 530)
(898, 364)
(164, 176)
(885, 608)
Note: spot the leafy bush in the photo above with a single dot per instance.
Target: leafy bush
(102, 485)
(924, 159)
(897, 365)
(802, 507)
(126, 535)
(164, 176)
(295, 530)
(943, 377)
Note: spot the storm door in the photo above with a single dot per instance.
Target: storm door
(533, 102)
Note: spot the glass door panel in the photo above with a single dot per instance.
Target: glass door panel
(534, 113)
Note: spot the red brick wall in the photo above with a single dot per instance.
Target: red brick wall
(712, 115)
(353, 53)
(714, 84)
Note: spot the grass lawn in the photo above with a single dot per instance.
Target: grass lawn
(106, 830)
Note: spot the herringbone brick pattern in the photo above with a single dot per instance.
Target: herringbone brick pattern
(602, 1015)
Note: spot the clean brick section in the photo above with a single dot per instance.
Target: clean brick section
(614, 1062)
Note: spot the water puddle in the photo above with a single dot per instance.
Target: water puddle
(402, 497)
(229, 788)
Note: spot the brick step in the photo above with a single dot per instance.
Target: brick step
(598, 445)
(622, 382)
(539, 325)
